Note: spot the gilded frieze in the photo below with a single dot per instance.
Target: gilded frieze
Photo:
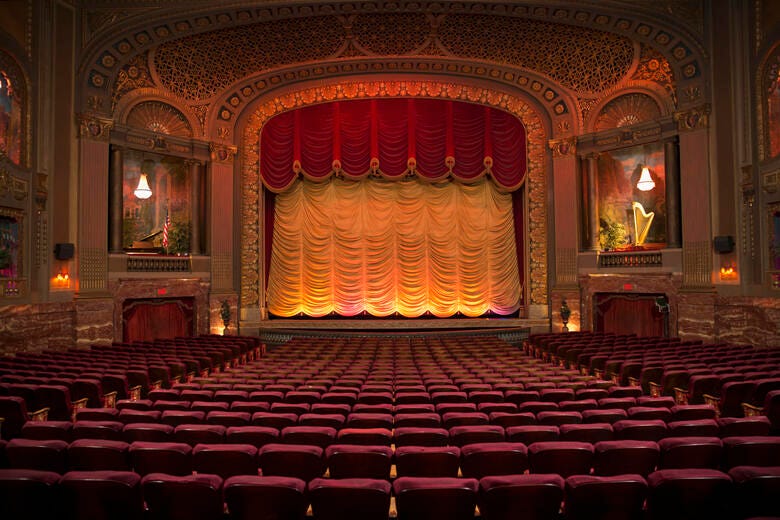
(536, 185)
(653, 66)
(160, 118)
(695, 118)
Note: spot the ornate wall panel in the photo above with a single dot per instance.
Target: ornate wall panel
(251, 228)
(160, 118)
(589, 61)
(198, 67)
(627, 110)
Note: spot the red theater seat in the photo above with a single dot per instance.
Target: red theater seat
(193, 434)
(419, 498)
(291, 460)
(152, 432)
(170, 497)
(613, 497)
(624, 457)
(640, 430)
(48, 430)
(756, 490)
(532, 433)
(349, 499)
(253, 497)
(462, 435)
(98, 455)
(560, 457)
(689, 494)
(751, 451)
(101, 495)
(29, 494)
(592, 432)
(532, 497)
(225, 460)
(37, 455)
(690, 452)
(362, 462)
(427, 461)
(365, 436)
(161, 457)
(493, 458)
(410, 436)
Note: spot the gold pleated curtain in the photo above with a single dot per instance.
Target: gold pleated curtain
(384, 247)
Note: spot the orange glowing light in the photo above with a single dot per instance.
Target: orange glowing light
(728, 273)
(62, 280)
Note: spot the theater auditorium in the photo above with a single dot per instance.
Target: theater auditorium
(374, 260)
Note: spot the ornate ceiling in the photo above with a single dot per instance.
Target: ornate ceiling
(212, 61)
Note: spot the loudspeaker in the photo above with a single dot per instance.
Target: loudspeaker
(724, 244)
(63, 251)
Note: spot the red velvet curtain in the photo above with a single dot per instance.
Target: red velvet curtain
(629, 314)
(147, 320)
(393, 137)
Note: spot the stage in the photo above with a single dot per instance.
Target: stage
(512, 329)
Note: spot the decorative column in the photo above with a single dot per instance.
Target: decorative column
(224, 297)
(592, 209)
(196, 179)
(115, 174)
(94, 322)
(696, 303)
(672, 167)
(566, 242)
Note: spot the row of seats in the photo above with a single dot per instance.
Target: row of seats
(688, 370)
(744, 492)
(380, 461)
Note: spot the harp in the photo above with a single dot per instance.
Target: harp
(642, 222)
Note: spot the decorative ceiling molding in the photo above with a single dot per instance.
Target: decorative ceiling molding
(606, 20)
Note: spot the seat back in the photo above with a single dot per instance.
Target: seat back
(252, 497)
(102, 495)
(532, 497)
(349, 499)
(420, 498)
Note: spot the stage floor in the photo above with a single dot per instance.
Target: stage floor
(405, 324)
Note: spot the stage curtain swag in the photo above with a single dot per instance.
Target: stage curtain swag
(386, 247)
(393, 138)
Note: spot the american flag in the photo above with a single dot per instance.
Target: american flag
(165, 230)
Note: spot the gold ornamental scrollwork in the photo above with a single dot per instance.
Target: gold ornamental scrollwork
(14, 186)
(535, 184)
(693, 119)
(94, 128)
(222, 153)
(563, 147)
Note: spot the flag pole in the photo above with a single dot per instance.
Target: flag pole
(166, 227)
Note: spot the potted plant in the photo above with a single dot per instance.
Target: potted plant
(612, 234)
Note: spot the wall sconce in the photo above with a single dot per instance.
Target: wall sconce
(646, 182)
(62, 280)
(143, 191)
(729, 272)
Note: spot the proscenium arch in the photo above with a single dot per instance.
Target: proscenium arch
(536, 287)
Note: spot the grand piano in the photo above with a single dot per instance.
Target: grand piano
(146, 245)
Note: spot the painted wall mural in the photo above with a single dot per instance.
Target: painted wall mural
(632, 198)
(10, 120)
(145, 212)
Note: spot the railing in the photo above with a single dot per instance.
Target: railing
(631, 259)
(148, 264)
